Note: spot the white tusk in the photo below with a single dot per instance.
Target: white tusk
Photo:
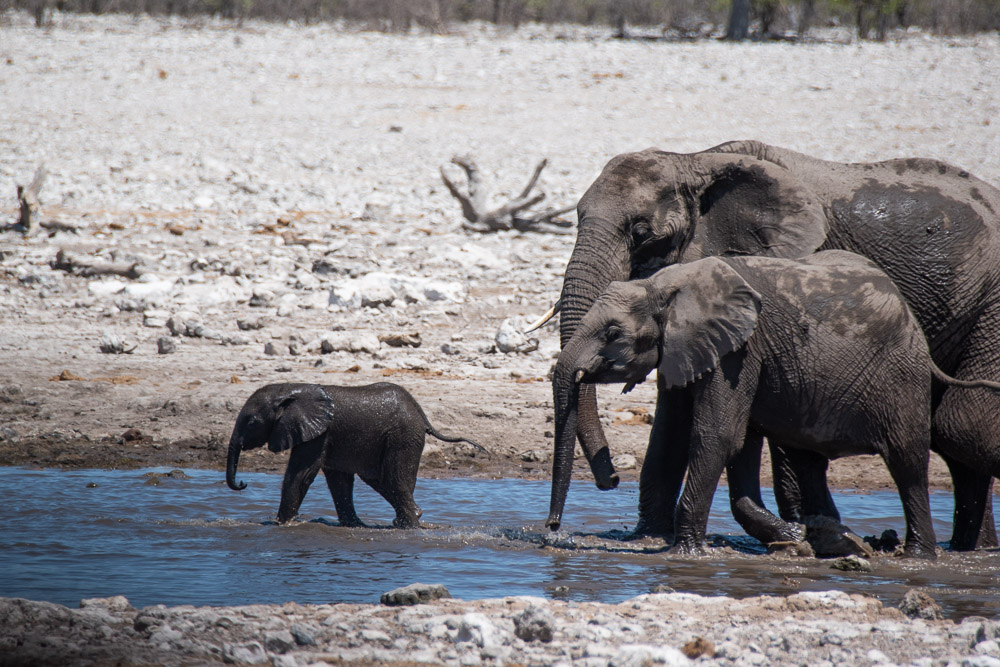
(579, 376)
(541, 321)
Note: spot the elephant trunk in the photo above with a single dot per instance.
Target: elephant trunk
(232, 461)
(598, 259)
(565, 391)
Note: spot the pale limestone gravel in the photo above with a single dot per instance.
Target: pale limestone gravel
(815, 629)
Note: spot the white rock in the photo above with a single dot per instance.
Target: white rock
(155, 318)
(106, 287)
(624, 462)
(877, 657)
(479, 630)
(251, 654)
(639, 655)
(510, 337)
(223, 289)
(350, 341)
(375, 287)
(184, 323)
(988, 647)
(371, 635)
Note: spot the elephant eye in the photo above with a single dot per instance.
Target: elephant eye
(612, 334)
(641, 230)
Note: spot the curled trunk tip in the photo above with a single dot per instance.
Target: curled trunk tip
(232, 462)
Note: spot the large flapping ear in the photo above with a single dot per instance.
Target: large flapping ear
(748, 206)
(708, 311)
(302, 416)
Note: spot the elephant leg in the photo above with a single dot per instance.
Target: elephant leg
(303, 465)
(800, 485)
(966, 433)
(341, 485)
(593, 441)
(973, 526)
(407, 512)
(719, 424)
(398, 478)
(743, 474)
(663, 469)
(907, 457)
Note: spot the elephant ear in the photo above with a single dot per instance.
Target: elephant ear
(706, 310)
(749, 206)
(303, 416)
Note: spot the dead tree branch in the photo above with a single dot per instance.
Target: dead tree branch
(511, 215)
(63, 262)
(27, 197)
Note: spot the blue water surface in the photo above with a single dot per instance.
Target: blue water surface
(189, 539)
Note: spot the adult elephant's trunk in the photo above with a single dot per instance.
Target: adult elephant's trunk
(232, 461)
(599, 257)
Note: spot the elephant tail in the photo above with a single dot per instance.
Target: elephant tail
(944, 378)
(453, 438)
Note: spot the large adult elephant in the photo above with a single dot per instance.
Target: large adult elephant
(932, 227)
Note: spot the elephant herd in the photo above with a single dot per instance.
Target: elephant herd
(833, 309)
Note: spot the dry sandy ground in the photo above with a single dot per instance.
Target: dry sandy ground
(263, 173)
(284, 161)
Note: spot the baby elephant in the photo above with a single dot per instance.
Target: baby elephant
(818, 354)
(375, 431)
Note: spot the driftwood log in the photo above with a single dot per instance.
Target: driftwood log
(63, 262)
(512, 215)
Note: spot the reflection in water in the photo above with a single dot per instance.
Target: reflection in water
(190, 540)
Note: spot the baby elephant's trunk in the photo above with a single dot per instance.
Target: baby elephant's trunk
(233, 460)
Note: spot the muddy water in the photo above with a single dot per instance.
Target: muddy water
(188, 539)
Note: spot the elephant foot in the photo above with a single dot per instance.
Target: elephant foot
(828, 538)
(351, 523)
(646, 528)
(920, 551)
(688, 547)
(405, 523)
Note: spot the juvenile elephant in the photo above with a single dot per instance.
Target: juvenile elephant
(375, 431)
(932, 227)
(819, 354)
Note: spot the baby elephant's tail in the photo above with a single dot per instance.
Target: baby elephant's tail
(943, 377)
(449, 438)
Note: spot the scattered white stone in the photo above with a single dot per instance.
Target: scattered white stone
(479, 630)
(106, 287)
(624, 462)
(350, 341)
(510, 337)
(148, 286)
(374, 289)
(111, 343)
(155, 318)
(251, 654)
(184, 323)
(641, 655)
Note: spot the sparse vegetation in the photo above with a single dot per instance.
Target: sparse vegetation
(736, 19)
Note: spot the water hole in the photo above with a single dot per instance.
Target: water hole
(188, 539)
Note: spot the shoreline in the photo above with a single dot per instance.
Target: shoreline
(664, 628)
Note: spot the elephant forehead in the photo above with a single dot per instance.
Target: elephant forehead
(622, 295)
(633, 172)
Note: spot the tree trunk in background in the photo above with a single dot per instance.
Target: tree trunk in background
(806, 10)
(739, 20)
